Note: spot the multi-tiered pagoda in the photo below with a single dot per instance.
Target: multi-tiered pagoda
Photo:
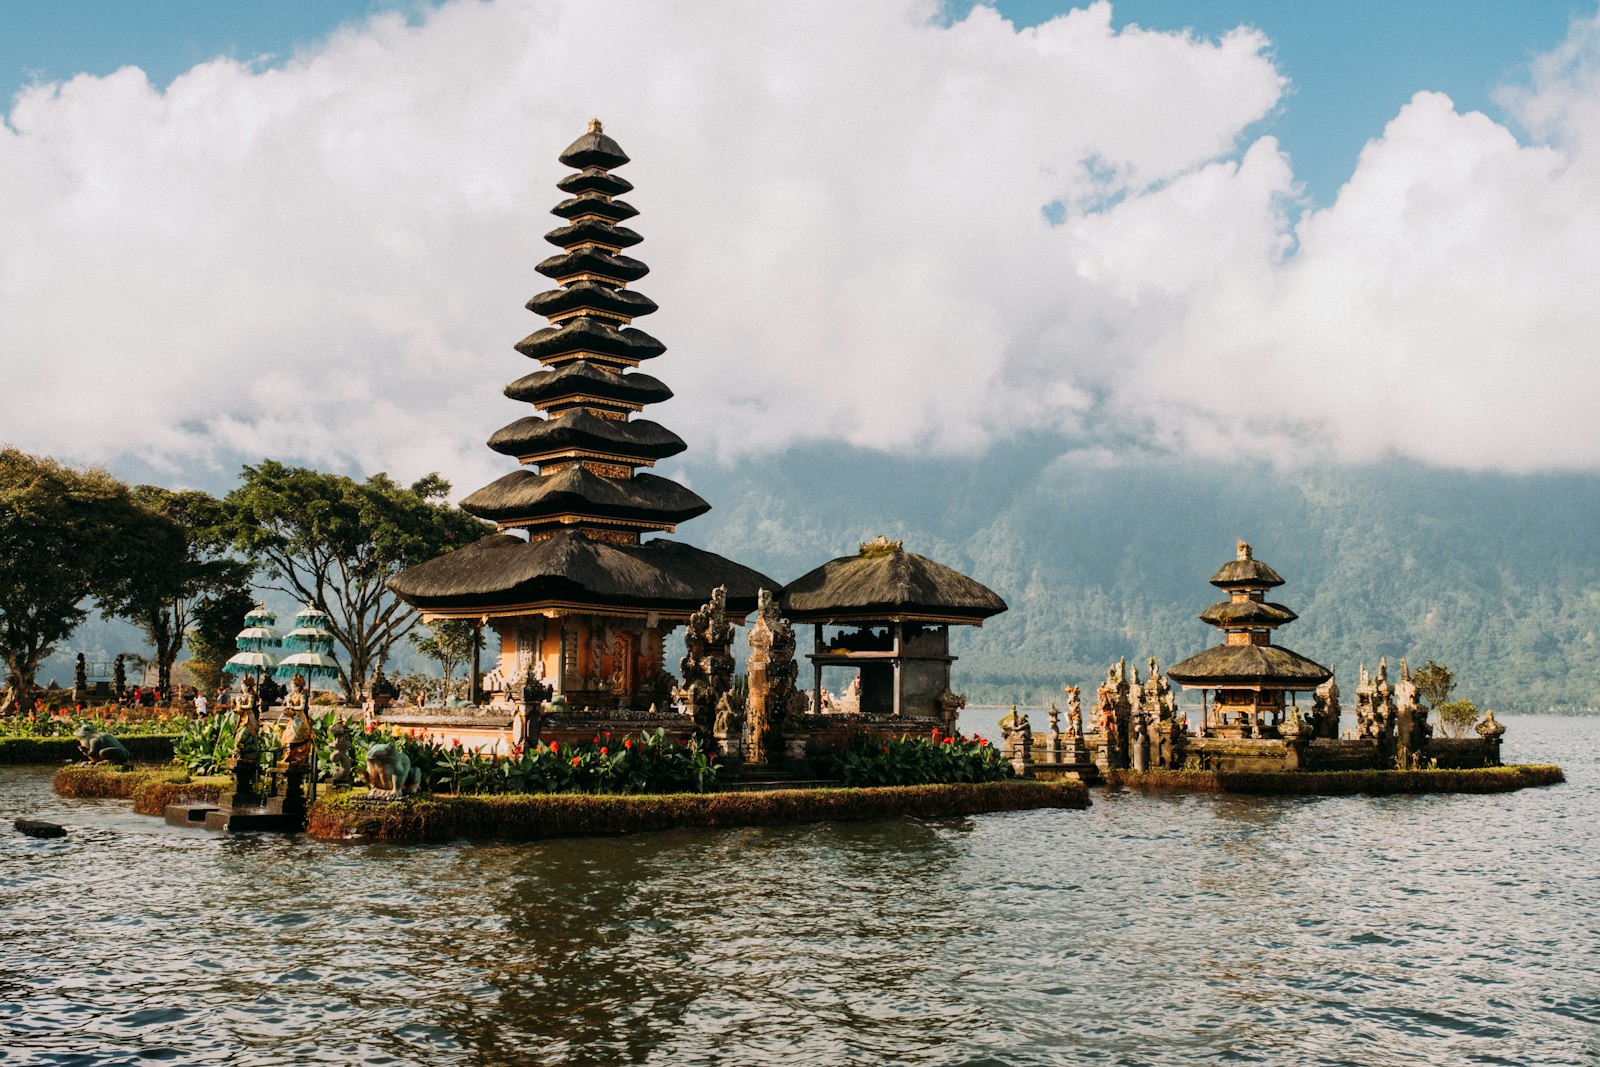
(1248, 675)
(582, 603)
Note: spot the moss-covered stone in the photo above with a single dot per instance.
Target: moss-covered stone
(1345, 783)
(150, 789)
(531, 817)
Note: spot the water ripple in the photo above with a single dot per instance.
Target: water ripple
(1157, 929)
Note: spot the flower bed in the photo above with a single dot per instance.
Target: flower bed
(532, 817)
(1345, 783)
(150, 790)
(866, 760)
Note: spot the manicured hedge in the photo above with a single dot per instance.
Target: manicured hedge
(150, 790)
(1344, 783)
(530, 817)
(151, 748)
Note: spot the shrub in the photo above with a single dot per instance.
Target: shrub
(1458, 717)
(933, 760)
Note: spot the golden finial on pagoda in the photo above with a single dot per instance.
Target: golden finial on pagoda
(595, 127)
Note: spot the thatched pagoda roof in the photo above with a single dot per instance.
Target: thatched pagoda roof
(594, 149)
(594, 180)
(504, 574)
(577, 429)
(593, 261)
(885, 582)
(590, 337)
(591, 296)
(1247, 613)
(593, 231)
(612, 211)
(584, 379)
(1244, 571)
(525, 498)
(1267, 666)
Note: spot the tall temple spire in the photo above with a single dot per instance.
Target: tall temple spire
(582, 454)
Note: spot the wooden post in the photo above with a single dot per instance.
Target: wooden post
(561, 660)
(896, 628)
(475, 683)
(816, 663)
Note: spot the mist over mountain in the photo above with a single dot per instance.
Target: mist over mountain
(1497, 575)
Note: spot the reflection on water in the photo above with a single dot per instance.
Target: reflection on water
(1150, 929)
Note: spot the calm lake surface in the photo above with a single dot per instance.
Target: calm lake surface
(1148, 930)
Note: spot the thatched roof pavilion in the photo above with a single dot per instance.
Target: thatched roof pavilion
(902, 606)
(1249, 674)
(582, 495)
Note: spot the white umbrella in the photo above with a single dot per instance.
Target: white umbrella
(248, 662)
(314, 666)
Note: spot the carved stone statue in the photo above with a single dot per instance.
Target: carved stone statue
(343, 771)
(760, 707)
(80, 681)
(707, 664)
(950, 705)
(1491, 730)
(297, 734)
(390, 773)
(100, 747)
(1017, 735)
(246, 759)
(1074, 711)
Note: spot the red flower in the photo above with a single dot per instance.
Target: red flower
(934, 732)
(628, 743)
(983, 742)
(948, 740)
(608, 735)
(555, 746)
(575, 760)
(455, 742)
(604, 750)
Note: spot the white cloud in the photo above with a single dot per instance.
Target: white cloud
(843, 204)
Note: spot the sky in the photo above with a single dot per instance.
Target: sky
(1310, 233)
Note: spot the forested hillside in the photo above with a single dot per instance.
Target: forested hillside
(1497, 575)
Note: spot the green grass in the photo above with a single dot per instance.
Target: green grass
(531, 817)
(1345, 783)
(150, 789)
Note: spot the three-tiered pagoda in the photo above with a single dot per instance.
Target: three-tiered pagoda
(1247, 673)
(582, 604)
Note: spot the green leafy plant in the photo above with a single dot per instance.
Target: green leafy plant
(932, 760)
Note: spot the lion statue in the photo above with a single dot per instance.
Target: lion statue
(390, 773)
(100, 747)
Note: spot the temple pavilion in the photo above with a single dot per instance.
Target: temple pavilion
(887, 613)
(1247, 674)
(579, 596)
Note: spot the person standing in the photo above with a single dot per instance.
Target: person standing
(200, 708)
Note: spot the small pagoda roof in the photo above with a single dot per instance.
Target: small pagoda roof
(591, 296)
(612, 211)
(1244, 571)
(594, 180)
(593, 261)
(594, 149)
(569, 569)
(884, 581)
(577, 429)
(523, 497)
(1247, 613)
(1247, 666)
(593, 231)
(583, 379)
(592, 336)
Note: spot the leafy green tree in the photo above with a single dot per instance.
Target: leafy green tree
(213, 627)
(1457, 717)
(1434, 682)
(66, 537)
(449, 643)
(335, 542)
(185, 559)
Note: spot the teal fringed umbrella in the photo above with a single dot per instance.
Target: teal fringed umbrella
(314, 645)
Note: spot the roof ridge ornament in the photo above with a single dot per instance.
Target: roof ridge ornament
(595, 126)
(880, 546)
(1243, 549)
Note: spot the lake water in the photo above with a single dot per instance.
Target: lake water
(1149, 929)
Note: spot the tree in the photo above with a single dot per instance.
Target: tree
(1457, 717)
(213, 627)
(1434, 682)
(335, 542)
(449, 643)
(66, 536)
(185, 559)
